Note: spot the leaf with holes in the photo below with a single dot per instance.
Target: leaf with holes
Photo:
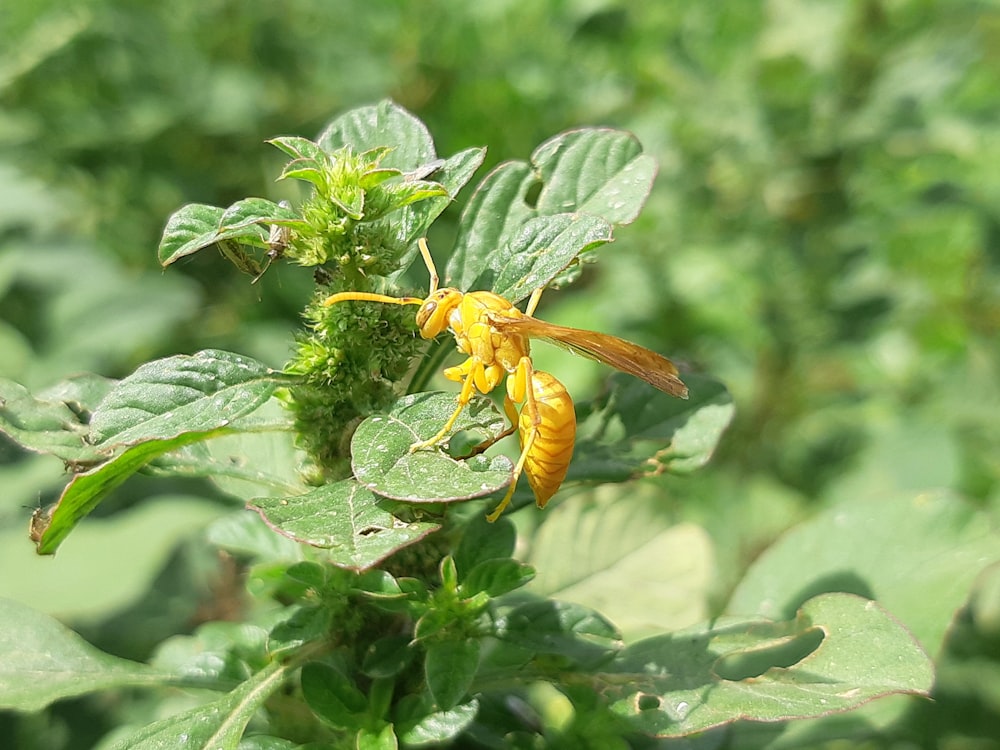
(345, 519)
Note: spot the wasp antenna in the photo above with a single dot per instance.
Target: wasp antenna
(429, 262)
(370, 297)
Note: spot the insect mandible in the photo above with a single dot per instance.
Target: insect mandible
(495, 336)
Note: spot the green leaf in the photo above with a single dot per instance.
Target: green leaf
(388, 656)
(196, 226)
(216, 653)
(840, 652)
(185, 393)
(439, 726)
(599, 174)
(343, 518)
(41, 661)
(450, 667)
(570, 630)
(189, 229)
(45, 425)
(528, 252)
(496, 577)
(260, 459)
(215, 726)
(379, 125)
(258, 212)
(633, 429)
(163, 406)
(541, 249)
(333, 697)
(81, 393)
(628, 560)
(482, 541)
(382, 461)
(377, 739)
(246, 534)
(872, 546)
(86, 490)
(413, 221)
(594, 171)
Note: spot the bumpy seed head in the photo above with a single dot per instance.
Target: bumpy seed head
(432, 317)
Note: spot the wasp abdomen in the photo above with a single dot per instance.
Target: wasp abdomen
(551, 450)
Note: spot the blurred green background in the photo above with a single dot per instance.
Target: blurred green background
(824, 237)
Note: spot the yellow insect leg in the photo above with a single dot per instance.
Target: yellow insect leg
(518, 388)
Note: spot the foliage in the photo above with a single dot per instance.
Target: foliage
(820, 238)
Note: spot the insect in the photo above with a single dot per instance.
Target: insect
(495, 336)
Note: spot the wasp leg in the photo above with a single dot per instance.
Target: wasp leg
(511, 411)
(475, 376)
(519, 389)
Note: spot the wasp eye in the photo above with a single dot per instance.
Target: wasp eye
(425, 312)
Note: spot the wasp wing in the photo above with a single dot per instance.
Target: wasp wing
(623, 355)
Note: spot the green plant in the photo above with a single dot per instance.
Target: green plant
(383, 610)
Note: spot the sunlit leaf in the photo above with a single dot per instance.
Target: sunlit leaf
(439, 726)
(188, 230)
(167, 397)
(594, 171)
(383, 462)
(592, 175)
(378, 125)
(629, 560)
(163, 406)
(871, 546)
(840, 652)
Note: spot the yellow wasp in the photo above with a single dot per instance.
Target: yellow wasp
(495, 336)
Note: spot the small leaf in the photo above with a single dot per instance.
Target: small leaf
(332, 696)
(377, 739)
(450, 668)
(299, 148)
(214, 726)
(188, 230)
(439, 726)
(41, 661)
(257, 212)
(388, 656)
(343, 518)
(496, 577)
(382, 460)
(839, 652)
(633, 429)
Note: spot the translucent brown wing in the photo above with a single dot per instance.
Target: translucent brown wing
(623, 355)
